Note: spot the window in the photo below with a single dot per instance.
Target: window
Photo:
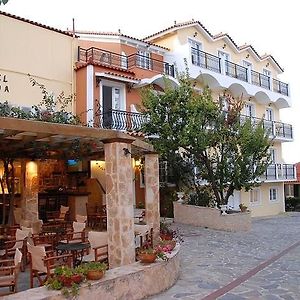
(272, 152)
(196, 48)
(289, 190)
(225, 56)
(144, 59)
(249, 110)
(273, 194)
(124, 60)
(269, 114)
(255, 197)
(267, 72)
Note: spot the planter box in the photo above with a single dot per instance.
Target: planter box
(134, 281)
(211, 218)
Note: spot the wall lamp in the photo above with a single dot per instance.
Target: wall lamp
(224, 46)
(195, 34)
(248, 55)
(267, 64)
(126, 151)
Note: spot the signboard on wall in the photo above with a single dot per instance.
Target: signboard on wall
(4, 84)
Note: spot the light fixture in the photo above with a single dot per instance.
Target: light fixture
(248, 55)
(126, 151)
(224, 46)
(267, 64)
(195, 34)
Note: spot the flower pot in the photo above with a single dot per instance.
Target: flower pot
(66, 281)
(147, 257)
(76, 278)
(166, 236)
(94, 274)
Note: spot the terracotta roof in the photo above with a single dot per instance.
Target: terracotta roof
(118, 34)
(217, 36)
(179, 25)
(35, 23)
(80, 65)
(136, 133)
(122, 75)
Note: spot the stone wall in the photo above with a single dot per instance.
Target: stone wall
(135, 281)
(211, 218)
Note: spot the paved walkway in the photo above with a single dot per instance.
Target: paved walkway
(261, 264)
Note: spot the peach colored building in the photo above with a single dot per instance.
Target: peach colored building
(111, 69)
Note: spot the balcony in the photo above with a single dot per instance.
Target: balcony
(277, 130)
(280, 172)
(216, 64)
(131, 121)
(120, 120)
(125, 62)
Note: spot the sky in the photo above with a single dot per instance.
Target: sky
(270, 26)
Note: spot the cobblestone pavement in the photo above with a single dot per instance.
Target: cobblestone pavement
(212, 259)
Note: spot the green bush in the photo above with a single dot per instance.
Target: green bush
(200, 197)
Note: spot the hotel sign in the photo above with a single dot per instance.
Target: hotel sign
(4, 84)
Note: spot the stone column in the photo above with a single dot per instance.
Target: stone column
(30, 192)
(119, 203)
(152, 193)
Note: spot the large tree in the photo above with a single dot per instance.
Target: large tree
(3, 2)
(230, 152)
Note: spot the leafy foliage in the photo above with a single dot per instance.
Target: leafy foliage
(229, 153)
(3, 2)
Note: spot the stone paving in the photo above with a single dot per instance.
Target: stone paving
(211, 259)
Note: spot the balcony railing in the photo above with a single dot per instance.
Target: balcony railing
(120, 120)
(280, 172)
(125, 62)
(260, 80)
(280, 87)
(206, 60)
(275, 129)
(236, 71)
(211, 62)
(130, 121)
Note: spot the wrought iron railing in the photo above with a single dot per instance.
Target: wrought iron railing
(211, 62)
(236, 71)
(276, 129)
(120, 120)
(280, 172)
(260, 79)
(280, 87)
(206, 60)
(125, 62)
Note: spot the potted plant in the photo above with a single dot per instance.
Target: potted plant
(166, 233)
(93, 270)
(67, 276)
(147, 255)
(243, 207)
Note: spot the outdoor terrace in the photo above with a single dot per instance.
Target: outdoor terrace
(125, 62)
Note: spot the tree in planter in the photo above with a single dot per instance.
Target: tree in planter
(229, 153)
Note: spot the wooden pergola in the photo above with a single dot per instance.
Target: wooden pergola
(27, 139)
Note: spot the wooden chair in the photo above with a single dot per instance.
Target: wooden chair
(9, 270)
(18, 243)
(81, 219)
(77, 235)
(99, 247)
(58, 216)
(42, 263)
(143, 235)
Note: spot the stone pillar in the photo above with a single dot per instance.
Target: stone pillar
(30, 192)
(152, 193)
(119, 203)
